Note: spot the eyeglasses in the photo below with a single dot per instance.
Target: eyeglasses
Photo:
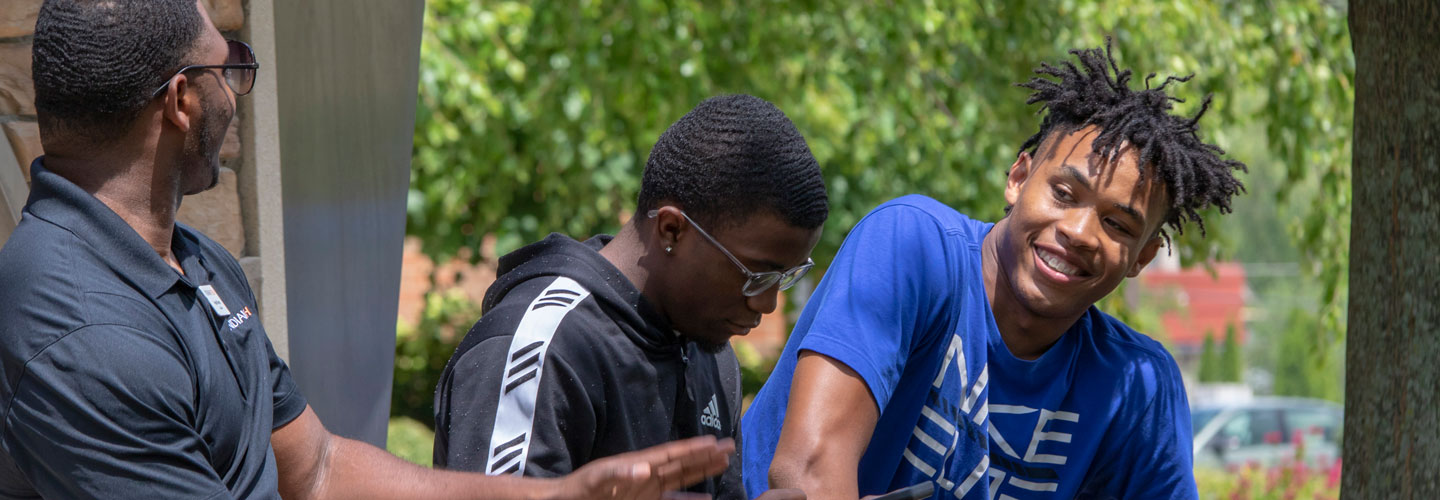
(755, 283)
(239, 69)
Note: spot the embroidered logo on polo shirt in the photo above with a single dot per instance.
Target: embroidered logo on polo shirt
(238, 318)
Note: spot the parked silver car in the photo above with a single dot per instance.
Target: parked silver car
(1265, 430)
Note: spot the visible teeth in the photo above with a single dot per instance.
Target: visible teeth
(1058, 264)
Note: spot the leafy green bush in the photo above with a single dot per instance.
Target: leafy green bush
(538, 116)
(422, 350)
(755, 368)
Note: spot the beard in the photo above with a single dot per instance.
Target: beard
(710, 347)
(203, 147)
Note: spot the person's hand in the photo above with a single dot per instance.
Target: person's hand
(647, 473)
(782, 494)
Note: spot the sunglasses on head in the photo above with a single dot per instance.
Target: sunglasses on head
(239, 69)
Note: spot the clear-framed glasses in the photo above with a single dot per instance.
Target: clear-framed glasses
(239, 69)
(755, 283)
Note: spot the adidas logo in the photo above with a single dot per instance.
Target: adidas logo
(710, 416)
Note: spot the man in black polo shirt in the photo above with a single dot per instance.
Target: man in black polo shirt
(134, 363)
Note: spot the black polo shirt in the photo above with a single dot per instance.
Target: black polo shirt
(120, 378)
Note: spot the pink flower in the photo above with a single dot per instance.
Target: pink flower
(1302, 472)
(1332, 481)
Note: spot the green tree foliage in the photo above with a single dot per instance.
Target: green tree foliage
(537, 116)
(1209, 360)
(1232, 369)
(421, 352)
(1303, 367)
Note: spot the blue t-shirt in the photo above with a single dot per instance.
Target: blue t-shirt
(1101, 414)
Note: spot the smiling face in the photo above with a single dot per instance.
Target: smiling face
(702, 287)
(1078, 227)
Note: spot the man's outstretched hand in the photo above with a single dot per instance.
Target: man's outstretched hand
(648, 473)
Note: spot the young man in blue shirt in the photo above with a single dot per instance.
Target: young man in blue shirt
(939, 348)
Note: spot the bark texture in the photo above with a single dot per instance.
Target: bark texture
(1392, 401)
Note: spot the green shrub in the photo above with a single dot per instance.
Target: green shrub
(422, 350)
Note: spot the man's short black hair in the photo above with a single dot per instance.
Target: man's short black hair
(1195, 173)
(731, 157)
(96, 63)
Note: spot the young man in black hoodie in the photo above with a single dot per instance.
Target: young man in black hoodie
(589, 349)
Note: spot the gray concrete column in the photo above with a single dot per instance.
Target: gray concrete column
(347, 75)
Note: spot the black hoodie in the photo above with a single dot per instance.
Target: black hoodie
(568, 364)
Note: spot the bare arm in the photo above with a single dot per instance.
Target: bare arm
(315, 464)
(828, 425)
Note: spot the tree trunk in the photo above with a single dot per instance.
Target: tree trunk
(1392, 402)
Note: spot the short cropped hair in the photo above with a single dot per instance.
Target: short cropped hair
(731, 157)
(97, 62)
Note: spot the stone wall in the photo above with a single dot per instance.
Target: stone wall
(216, 212)
(17, 92)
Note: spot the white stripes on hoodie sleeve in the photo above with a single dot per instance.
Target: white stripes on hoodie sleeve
(524, 364)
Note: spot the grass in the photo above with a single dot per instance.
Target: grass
(411, 440)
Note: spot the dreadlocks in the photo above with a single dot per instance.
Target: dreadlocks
(1195, 174)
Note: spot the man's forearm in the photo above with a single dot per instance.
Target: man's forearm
(353, 469)
(315, 464)
(811, 469)
(819, 448)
